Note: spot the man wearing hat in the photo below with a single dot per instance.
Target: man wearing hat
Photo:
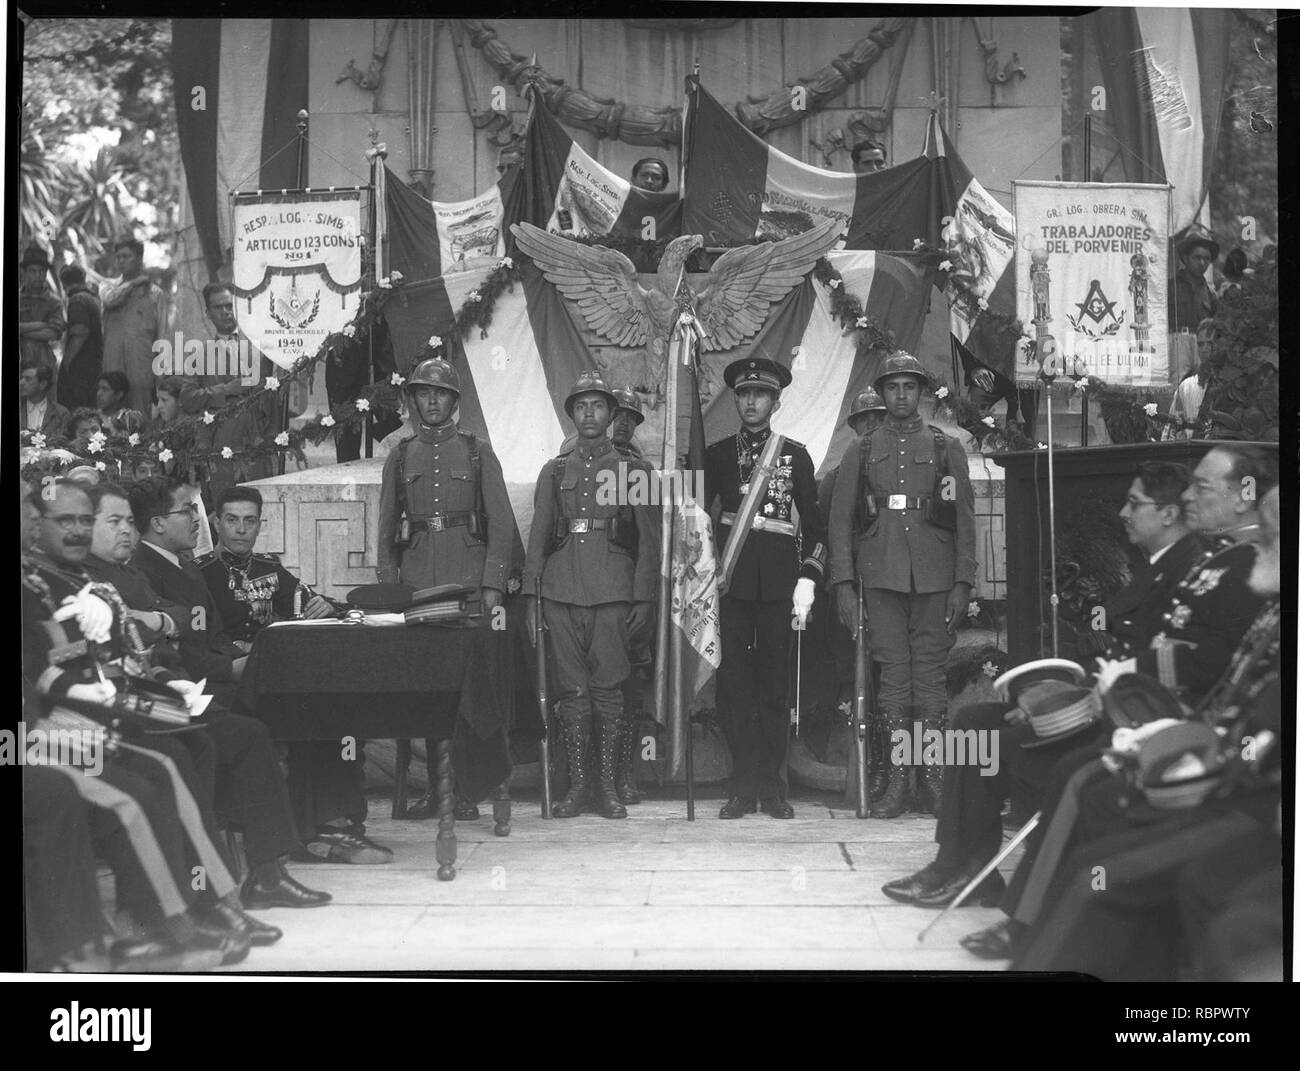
(597, 560)
(1191, 298)
(444, 515)
(771, 542)
(903, 519)
(40, 314)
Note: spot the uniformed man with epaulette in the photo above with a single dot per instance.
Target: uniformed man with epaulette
(761, 479)
(597, 558)
(444, 514)
(903, 518)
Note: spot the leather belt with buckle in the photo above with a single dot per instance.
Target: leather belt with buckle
(440, 522)
(587, 524)
(899, 502)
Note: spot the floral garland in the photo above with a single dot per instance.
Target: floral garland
(959, 293)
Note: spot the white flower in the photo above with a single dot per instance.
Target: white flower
(434, 341)
(990, 422)
(95, 446)
(945, 265)
(917, 243)
(38, 441)
(327, 421)
(363, 404)
(349, 331)
(272, 383)
(165, 455)
(208, 416)
(397, 379)
(990, 670)
(1151, 409)
(1042, 446)
(973, 608)
(227, 453)
(1081, 384)
(134, 438)
(941, 393)
(506, 262)
(834, 283)
(101, 466)
(864, 321)
(982, 303)
(396, 276)
(385, 283)
(472, 297)
(282, 439)
(98, 436)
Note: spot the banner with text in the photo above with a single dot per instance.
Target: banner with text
(296, 266)
(1105, 293)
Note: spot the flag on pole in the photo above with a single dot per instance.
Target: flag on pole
(425, 238)
(691, 644)
(1164, 71)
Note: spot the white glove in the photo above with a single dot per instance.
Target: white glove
(1109, 671)
(94, 616)
(804, 592)
(101, 692)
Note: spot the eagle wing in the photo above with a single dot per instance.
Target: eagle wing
(601, 282)
(745, 282)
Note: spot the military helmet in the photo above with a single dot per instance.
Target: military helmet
(434, 372)
(628, 400)
(590, 382)
(867, 401)
(901, 363)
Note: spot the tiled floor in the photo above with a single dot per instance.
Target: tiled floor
(650, 892)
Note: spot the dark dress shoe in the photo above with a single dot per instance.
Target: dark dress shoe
(987, 894)
(423, 808)
(738, 807)
(777, 808)
(344, 846)
(924, 881)
(232, 946)
(227, 916)
(465, 811)
(149, 955)
(285, 892)
(1002, 940)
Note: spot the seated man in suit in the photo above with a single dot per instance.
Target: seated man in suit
(168, 525)
(40, 413)
(969, 830)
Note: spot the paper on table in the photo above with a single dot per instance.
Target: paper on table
(385, 619)
(316, 621)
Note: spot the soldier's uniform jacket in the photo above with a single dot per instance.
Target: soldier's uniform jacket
(1209, 612)
(249, 593)
(900, 550)
(440, 493)
(771, 561)
(587, 568)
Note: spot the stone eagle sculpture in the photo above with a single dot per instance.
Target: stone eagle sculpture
(731, 306)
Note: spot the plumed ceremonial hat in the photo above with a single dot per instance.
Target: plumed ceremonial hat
(434, 372)
(757, 372)
(590, 382)
(628, 400)
(868, 400)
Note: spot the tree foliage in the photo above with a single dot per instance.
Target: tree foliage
(80, 77)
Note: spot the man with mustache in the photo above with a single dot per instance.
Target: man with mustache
(1203, 859)
(598, 566)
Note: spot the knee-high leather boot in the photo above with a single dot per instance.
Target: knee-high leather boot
(930, 778)
(625, 781)
(607, 800)
(894, 800)
(577, 744)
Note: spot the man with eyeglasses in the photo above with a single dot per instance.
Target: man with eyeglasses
(969, 831)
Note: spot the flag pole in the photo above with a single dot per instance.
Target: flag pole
(1040, 283)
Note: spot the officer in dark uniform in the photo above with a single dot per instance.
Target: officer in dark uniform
(597, 558)
(628, 416)
(767, 575)
(903, 518)
(444, 515)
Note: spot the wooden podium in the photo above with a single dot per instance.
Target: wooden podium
(1090, 481)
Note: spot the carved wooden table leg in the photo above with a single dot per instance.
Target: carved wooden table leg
(501, 809)
(445, 848)
(402, 765)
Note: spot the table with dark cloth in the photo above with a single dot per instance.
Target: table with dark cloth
(328, 681)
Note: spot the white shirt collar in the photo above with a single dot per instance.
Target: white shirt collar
(1160, 553)
(162, 552)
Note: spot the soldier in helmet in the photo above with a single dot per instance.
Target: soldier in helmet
(903, 518)
(444, 515)
(597, 557)
(761, 478)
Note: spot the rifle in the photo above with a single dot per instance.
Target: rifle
(861, 686)
(543, 746)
